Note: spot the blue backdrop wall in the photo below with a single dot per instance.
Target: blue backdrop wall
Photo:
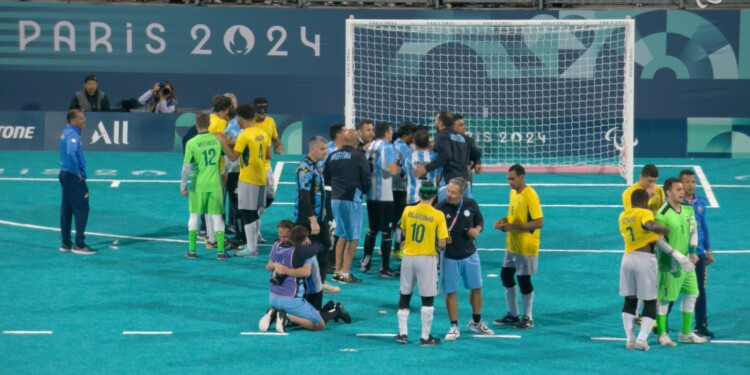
(692, 72)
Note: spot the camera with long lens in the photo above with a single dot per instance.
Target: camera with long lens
(277, 279)
(164, 90)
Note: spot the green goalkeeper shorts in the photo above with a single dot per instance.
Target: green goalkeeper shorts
(211, 203)
(671, 286)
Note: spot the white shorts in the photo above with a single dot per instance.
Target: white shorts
(638, 275)
(523, 264)
(422, 270)
(250, 197)
(270, 185)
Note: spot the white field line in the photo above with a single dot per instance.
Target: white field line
(115, 184)
(736, 342)
(112, 235)
(263, 334)
(376, 335)
(27, 332)
(706, 186)
(609, 339)
(277, 174)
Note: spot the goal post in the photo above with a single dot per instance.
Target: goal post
(553, 95)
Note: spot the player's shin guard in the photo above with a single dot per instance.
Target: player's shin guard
(193, 226)
(385, 251)
(427, 313)
(369, 243)
(688, 306)
(661, 317)
(403, 319)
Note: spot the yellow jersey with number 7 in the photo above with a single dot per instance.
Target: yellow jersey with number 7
(633, 230)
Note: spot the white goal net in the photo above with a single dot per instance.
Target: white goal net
(555, 96)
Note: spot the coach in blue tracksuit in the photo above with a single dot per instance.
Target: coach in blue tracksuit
(75, 192)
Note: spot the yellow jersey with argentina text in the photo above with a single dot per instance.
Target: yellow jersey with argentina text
(653, 203)
(268, 125)
(252, 144)
(633, 228)
(523, 208)
(422, 225)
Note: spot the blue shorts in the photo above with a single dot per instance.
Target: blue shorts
(348, 216)
(298, 307)
(443, 191)
(469, 269)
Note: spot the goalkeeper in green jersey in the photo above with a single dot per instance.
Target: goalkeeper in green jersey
(676, 270)
(202, 155)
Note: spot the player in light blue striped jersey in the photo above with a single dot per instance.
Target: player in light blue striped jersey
(404, 137)
(421, 155)
(380, 206)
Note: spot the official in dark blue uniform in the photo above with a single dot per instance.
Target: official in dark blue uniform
(75, 192)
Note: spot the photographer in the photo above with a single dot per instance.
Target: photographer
(160, 99)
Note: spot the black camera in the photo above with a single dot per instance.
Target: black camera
(277, 279)
(164, 90)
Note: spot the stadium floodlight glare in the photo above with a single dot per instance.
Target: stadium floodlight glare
(553, 95)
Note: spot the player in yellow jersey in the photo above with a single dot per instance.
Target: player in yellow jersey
(253, 148)
(221, 107)
(522, 225)
(422, 225)
(638, 279)
(268, 125)
(647, 182)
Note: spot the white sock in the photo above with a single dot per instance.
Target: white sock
(252, 242)
(249, 235)
(210, 229)
(646, 325)
(528, 304)
(427, 312)
(257, 223)
(403, 318)
(627, 322)
(511, 300)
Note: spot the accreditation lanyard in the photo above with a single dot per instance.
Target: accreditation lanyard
(455, 218)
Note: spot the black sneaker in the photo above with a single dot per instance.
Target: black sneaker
(401, 339)
(191, 255)
(222, 256)
(387, 274)
(336, 277)
(329, 306)
(202, 234)
(702, 330)
(431, 341)
(65, 248)
(268, 318)
(525, 323)
(351, 279)
(637, 321)
(343, 314)
(366, 264)
(83, 250)
(507, 320)
(281, 321)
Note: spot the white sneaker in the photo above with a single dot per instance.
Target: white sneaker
(630, 344)
(691, 338)
(265, 322)
(480, 328)
(664, 340)
(328, 288)
(642, 345)
(453, 333)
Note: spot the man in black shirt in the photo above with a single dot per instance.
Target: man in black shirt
(90, 99)
(460, 259)
(348, 173)
(453, 153)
